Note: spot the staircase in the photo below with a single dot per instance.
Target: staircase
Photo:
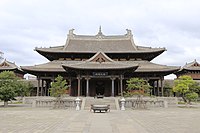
(101, 101)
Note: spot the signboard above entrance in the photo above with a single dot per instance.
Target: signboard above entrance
(100, 73)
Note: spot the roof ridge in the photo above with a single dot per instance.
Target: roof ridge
(99, 35)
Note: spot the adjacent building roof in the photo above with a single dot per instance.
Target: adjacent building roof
(8, 66)
(192, 66)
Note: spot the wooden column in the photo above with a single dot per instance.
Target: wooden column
(70, 88)
(87, 86)
(154, 89)
(113, 87)
(38, 85)
(161, 82)
(41, 93)
(157, 87)
(48, 85)
(45, 90)
(79, 85)
(121, 84)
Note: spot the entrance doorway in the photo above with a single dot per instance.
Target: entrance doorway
(100, 87)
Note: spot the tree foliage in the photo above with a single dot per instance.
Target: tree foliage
(24, 88)
(187, 88)
(58, 87)
(137, 86)
(191, 96)
(8, 86)
(11, 86)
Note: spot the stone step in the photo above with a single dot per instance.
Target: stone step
(104, 101)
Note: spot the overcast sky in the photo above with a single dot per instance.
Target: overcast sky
(173, 24)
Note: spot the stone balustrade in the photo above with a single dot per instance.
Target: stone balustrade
(53, 103)
(150, 102)
(145, 103)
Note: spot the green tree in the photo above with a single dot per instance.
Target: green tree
(191, 96)
(8, 86)
(196, 87)
(137, 86)
(24, 88)
(187, 88)
(58, 87)
(11, 86)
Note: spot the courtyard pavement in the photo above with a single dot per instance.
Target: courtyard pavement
(40, 120)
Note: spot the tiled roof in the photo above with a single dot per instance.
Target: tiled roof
(192, 66)
(53, 66)
(107, 44)
(143, 66)
(146, 66)
(100, 61)
(6, 65)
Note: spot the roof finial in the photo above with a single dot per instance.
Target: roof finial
(100, 33)
(129, 33)
(71, 31)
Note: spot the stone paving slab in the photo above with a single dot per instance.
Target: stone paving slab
(40, 120)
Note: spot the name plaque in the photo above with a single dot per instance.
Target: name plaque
(100, 73)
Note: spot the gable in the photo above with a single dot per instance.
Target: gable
(100, 57)
(196, 64)
(4, 64)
